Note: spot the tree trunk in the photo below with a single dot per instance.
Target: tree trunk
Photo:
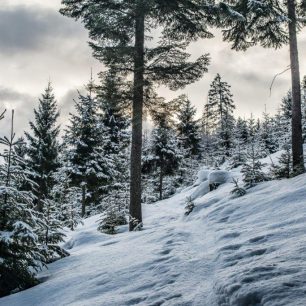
(161, 177)
(83, 200)
(135, 187)
(297, 138)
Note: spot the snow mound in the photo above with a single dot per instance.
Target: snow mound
(200, 191)
(202, 177)
(218, 177)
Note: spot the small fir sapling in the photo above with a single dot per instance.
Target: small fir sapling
(108, 223)
(113, 217)
(238, 191)
(284, 169)
(252, 169)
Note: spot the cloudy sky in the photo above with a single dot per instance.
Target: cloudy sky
(38, 44)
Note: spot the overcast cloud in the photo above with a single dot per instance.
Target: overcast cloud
(38, 44)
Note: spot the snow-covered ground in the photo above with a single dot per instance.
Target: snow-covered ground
(229, 251)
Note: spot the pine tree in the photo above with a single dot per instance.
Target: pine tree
(207, 138)
(252, 170)
(119, 32)
(69, 198)
(273, 24)
(50, 232)
(266, 135)
(20, 254)
(112, 99)
(220, 112)
(237, 190)
(43, 146)
(112, 218)
(188, 127)
(284, 167)
(165, 155)
(88, 166)
(240, 138)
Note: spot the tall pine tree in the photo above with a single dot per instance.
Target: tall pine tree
(271, 23)
(120, 31)
(220, 113)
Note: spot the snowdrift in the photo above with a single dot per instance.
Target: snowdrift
(229, 251)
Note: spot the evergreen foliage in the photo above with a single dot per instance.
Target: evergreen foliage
(43, 147)
(163, 156)
(284, 167)
(273, 24)
(20, 254)
(188, 127)
(237, 190)
(252, 170)
(220, 109)
(88, 166)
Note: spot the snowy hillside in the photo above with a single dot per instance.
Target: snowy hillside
(244, 251)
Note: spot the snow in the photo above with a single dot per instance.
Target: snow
(202, 177)
(218, 177)
(229, 251)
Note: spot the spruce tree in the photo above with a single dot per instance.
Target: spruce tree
(120, 30)
(112, 99)
(68, 198)
(43, 146)
(164, 150)
(240, 138)
(252, 169)
(284, 167)
(50, 231)
(267, 136)
(88, 166)
(271, 23)
(220, 113)
(20, 254)
(237, 190)
(208, 138)
(188, 127)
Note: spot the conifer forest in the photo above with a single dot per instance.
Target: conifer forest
(174, 175)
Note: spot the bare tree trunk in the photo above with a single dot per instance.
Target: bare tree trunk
(161, 177)
(297, 138)
(135, 187)
(83, 200)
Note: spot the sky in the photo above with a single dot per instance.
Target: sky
(37, 44)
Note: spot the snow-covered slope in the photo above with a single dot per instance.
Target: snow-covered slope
(244, 251)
